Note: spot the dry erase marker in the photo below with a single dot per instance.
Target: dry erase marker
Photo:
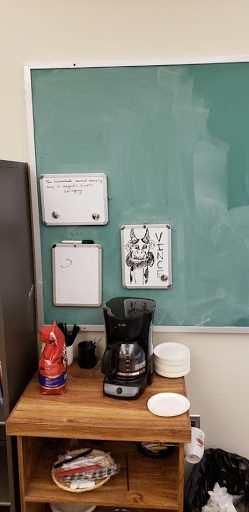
(77, 242)
(71, 242)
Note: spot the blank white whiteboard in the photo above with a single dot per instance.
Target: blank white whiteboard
(74, 199)
(77, 274)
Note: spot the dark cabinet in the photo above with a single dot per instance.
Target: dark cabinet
(18, 345)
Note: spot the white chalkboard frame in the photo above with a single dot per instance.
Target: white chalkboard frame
(72, 64)
(82, 285)
(74, 199)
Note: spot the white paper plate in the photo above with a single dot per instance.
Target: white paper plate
(168, 404)
(164, 373)
(172, 351)
(172, 362)
(175, 369)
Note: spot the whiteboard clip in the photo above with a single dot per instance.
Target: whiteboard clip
(55, 214)
(164, 278)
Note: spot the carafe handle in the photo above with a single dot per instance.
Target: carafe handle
(110, 360)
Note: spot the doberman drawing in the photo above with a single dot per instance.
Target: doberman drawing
(139, 257)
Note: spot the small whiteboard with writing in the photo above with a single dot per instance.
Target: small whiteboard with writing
(77, 274)
(74, 199)
(146, 256)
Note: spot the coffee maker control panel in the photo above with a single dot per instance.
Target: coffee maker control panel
(121, 391)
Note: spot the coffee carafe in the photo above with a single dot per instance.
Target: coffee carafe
(127, 362)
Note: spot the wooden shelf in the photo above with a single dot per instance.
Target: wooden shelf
(46, 426)
(142, 482)
(83, 412)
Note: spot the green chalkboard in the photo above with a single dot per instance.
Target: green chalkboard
(173, 142)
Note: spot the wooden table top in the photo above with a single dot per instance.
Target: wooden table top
(83, 412)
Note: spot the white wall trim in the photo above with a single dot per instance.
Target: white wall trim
(202, 330)
(78, 63)
(181, 329)
(34, 198)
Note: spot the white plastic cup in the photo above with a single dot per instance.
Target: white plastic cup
(69, 354)
(195, 449)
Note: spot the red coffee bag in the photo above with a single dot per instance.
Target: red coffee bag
(53, 361)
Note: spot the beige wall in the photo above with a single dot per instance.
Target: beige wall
(61, 30)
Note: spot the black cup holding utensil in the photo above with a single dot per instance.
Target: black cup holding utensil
(86, 354)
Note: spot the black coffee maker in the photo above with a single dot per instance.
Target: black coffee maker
(127, 362)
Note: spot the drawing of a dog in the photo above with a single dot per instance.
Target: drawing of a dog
(139, 257)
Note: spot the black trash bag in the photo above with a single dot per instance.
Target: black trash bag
(228, 469)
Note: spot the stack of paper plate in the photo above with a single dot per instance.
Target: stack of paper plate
(171, 360)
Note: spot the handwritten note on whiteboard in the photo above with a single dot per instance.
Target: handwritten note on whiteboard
(74, 199)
